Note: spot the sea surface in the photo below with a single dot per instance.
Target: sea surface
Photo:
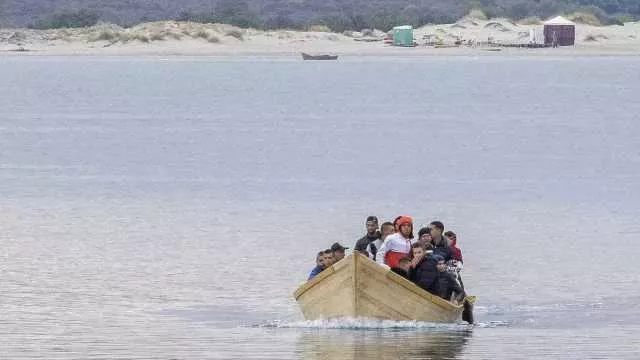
(167, 208)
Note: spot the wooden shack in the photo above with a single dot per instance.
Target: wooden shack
(564, 30)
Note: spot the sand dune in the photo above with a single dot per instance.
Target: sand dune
(188, 38)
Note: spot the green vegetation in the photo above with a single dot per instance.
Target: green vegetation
(337, 15)
(68, 19)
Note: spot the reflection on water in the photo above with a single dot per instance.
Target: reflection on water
(410, 344)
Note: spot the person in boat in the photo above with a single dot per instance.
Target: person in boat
(404, 268)
(454, 265)
(441, 245)
(425, 271)
(366, 244)
(338, 252)
(398, 245)
(328, 258)
(417, 253)
(446, 284)
(319, 266)
(424, 236)
(396, 227)
(456, 253)
(386, 229)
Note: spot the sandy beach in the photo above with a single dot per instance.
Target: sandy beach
(172, 38)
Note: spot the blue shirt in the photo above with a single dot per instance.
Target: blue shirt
(316, 270)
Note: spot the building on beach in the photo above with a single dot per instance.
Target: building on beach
(403, 35)
(559, 32)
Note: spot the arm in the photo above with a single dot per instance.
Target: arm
(384, 248)
(361, 245)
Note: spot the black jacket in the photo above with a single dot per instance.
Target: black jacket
(443, 249)
(363, 243)
(424, 275)
(446, 285)
(400, 272)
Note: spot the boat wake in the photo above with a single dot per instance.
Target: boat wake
(365, 324)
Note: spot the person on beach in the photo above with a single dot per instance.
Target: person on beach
(338, 252)
(367, 244)
(397, 245)
(319, 266)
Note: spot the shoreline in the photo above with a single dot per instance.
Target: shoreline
(186, 39)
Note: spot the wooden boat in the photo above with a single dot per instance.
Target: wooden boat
(306, 56)
(358, 287)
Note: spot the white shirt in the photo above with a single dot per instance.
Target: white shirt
(394, 242)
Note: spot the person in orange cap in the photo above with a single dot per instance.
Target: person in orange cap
(398, 245)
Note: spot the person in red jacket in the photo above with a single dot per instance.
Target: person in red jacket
(455, 251)
(398, 245)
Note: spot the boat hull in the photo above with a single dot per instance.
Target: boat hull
(306, 56)
(358, 287)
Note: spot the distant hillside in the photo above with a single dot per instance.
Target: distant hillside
(339, 15)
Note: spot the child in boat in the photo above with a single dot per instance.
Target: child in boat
(398, 245)
(319, 266)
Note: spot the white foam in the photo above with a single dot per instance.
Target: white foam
(361, 323)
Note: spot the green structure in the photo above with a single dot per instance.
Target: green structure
(403, 35)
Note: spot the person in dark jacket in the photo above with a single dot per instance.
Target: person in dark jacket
(424, 274)
(441, 245)
(363, 244)
(404, 268)
(338, 252)
(445, 284)
(319, 266)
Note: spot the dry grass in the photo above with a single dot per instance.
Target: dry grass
(157, 36)
(200, 34)
(236, 34)
(104, 34)
(590, 38)
(532, 20)
(477, 14)
(585, 18)
(318, 28)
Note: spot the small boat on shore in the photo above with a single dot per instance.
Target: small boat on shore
(306, 56)
(360, 288)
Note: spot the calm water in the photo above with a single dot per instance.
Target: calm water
(167, 208)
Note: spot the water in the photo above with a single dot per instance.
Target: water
(167, 208)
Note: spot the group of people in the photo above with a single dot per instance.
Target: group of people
(432, 260)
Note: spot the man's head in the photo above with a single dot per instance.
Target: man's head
(405, 225)
(417, 250)
(424, 236)
(451, 236)
(372, 225)
(437, 228)
(440, 264)
(320, 259)
(405, 264)
(328, 258)
(387, 229)
(338, 251)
